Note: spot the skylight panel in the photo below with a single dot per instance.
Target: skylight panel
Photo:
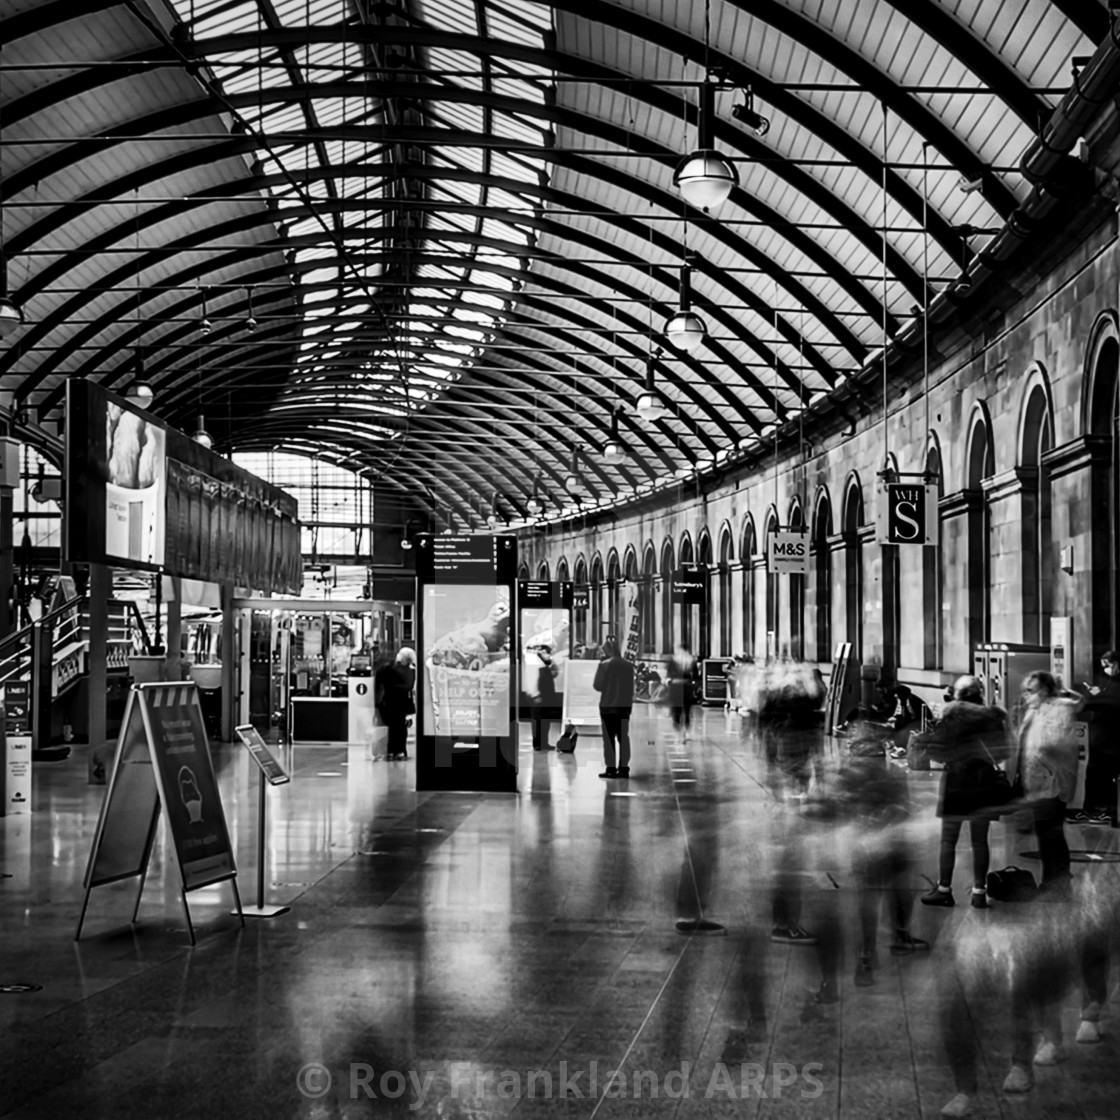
(448, 15)
(228, 21)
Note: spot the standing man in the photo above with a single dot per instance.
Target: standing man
(542, 699)
(1102, 709)
(614, 681)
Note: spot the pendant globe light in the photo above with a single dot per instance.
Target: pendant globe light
(649, 406)
(705, 177)
(613, 451)
(686, 330)
(202, 436)
(574, 483)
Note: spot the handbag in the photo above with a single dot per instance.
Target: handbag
(981, 788)
(917, 756)
(566, 744)
(1012, 884)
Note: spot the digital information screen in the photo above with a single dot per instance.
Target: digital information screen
(466, 673)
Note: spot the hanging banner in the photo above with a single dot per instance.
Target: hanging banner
(906, 513)
(634, 622)
(788, 552)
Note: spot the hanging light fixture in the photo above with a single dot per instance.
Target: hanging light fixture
(705, 176)
(492, 518)
(535, 504)
(613, 451)
(649, 406)
(205, 326)
(202, 436)
(574, 483)
(251, 320)
(140, 393)
(686, 330)
(11, 314)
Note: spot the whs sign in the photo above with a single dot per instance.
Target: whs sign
(788, 552)
(907, 513)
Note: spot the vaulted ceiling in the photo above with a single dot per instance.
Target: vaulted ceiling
(437, 241)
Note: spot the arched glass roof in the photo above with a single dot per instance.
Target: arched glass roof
(437, 241)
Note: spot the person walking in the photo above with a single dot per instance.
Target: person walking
(1045, 768)
(542, 698)
(968, 733)
(393, 700)
(682, 683)
(1102, 709)
(614, 681)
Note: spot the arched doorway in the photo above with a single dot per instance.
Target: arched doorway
(747, 554)
(704, 627)
(933, 589)
(648, 601)
(616, 615)
(579, 615)
(1038, 539)
(980, 465)
(595, 636)
(796, 596)
(686, 612)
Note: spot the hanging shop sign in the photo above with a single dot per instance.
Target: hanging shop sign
(907, 513)
(690, 585)
(788, 552)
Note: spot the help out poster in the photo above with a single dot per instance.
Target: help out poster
(190, 788)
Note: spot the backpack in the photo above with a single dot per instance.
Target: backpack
(566, 744)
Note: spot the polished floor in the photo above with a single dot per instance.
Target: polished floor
(476, 956)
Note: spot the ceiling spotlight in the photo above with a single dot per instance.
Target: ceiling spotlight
(685, 329)
(649, 406)
(251, 321)
(746, 113)
(705, 177)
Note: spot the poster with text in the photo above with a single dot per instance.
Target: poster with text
(467, 659)
(134, 486)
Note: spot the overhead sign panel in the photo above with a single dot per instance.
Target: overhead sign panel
(907, 513)
(788, 552)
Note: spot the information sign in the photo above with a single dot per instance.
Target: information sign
(690, 586)
(259, 751)
(15, 776)
(163, 757)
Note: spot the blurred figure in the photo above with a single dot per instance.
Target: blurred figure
(393, 700)
(614, 681)
(874, 799)
(968, 732)
(1102, 709)
(1045, 766)
(682, 671)
(788, 701)
(541, 698)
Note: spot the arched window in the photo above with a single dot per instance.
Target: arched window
(853, 568)
(704, 628)
(647, 607)
(522, 570)
(562, 575)
(667, 567)
(686, 612)
(933, 590)
(1038, 540)
(725, 557)
(596, 635)
(980, 465)
(542, 571)
(615, 619)
(772, 636)
(747, 554)
(1103, 419)
(796, 596)
(822, 577)
(580, 614)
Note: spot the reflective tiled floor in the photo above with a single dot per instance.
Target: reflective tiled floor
(458, 955)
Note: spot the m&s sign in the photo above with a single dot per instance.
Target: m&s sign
(789, 552)
(907, 513)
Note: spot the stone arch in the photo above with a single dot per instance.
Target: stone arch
(648, 599)
(1099, 380)
(562, 571)
(1039, 562)
(724, 558)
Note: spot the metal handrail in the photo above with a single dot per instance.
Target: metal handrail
(138, 628)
